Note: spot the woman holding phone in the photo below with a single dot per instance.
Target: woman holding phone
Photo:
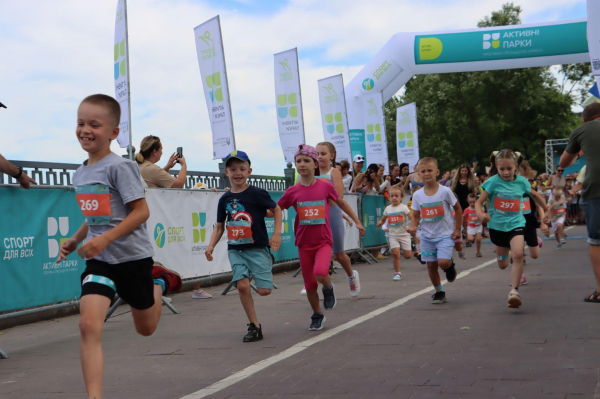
(151, 151)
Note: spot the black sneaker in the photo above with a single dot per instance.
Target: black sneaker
(317, 322)
(331, 268)
(438, 298)
(418, 256)
(254, 333)
(329, 300)
(450, 273)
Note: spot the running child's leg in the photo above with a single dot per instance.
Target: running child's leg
(244, 290)
(344, 261)
(517, 243)
(434, 275)
(146, 320)
(396, 258)
(503, 256)
(470, 238)
(478, 240)
(306, 255)
(93, 309)
(561, 231)
(534, 252)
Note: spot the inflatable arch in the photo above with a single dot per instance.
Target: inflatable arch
(483, 49)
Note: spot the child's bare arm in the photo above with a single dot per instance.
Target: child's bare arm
(214, 239)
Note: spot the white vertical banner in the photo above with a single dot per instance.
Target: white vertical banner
(211, 58)
(374, 125)
(288, 102)
(593, 36)
(407, 138)
(334, 116)
(121, 73)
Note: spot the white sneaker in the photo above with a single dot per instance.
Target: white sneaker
(201, 294)
(354, 282)
(397, 277)
(303, 292)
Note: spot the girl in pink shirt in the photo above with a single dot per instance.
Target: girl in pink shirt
(310, 198)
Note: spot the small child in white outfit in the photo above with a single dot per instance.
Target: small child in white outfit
(396, 216)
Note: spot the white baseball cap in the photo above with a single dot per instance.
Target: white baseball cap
(359, 158)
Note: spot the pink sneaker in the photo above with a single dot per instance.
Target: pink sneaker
(540, 242)
(523, 280)
(201, 294)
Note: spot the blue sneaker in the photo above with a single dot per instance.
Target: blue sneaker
(558, 246)
(317, 320)
(329, 300)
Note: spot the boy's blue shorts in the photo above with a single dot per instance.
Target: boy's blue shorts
(253, 260)
(433, 249)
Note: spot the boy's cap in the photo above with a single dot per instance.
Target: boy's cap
(359, 158)
(305, 149)
(241, 155)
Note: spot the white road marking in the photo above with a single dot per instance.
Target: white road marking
(299, 347)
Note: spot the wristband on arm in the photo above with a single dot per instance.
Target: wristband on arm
(18, 176)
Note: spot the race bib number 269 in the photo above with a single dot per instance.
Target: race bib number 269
(94, 202)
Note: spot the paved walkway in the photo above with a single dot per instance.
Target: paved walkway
(389, 343)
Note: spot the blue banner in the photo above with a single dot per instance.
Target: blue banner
(288, 249)
(372, 210)
(32, 226)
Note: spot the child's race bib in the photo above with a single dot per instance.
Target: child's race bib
(526, 206)
(311, 212)
(396, 219)
(559, 210)
(94, 201)
(509, 205)
(432, 212)
(239, 232)
(473, 220)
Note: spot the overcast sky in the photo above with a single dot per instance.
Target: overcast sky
(56, 52)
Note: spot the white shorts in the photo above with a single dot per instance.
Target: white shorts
(472, 230)
(402, 241)
(560, 220)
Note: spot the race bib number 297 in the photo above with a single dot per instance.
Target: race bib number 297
(94, 202)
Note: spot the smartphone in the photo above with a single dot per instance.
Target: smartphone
(474, 159)
(179, 152)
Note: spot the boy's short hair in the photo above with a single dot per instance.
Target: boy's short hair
(111, 105)
(345, 164)
(396, 188)
(426, 160)
(472, 196)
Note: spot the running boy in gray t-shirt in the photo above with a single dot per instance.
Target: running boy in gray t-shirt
(117, 250)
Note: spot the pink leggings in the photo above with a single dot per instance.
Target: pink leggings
(314, 261)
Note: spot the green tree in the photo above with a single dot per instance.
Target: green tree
(466, 115)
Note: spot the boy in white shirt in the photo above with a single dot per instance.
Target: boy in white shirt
(438, 232)
(397, 214)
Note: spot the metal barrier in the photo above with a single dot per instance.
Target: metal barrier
(61, 174)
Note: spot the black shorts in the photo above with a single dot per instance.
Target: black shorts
(133, 281)
(502, 238)
(531, 225)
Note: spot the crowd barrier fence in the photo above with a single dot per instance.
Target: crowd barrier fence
(36, 221)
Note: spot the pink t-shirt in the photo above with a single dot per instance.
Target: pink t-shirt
(471, 216)
(311, 225)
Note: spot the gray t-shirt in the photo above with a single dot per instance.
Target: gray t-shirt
(122, 177)
(587, 138)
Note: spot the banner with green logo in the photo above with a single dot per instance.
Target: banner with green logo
(32, 226)
(334, 115)
(407, 138)
(372, 211)
(357, 145)
(288, 101)
(374, 123)
(121, 73)
(288, 249)
(504, 43)
(211, 59)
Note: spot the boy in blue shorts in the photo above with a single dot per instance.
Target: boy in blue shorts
(433, 207)
(117, 250)
(242, 212)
